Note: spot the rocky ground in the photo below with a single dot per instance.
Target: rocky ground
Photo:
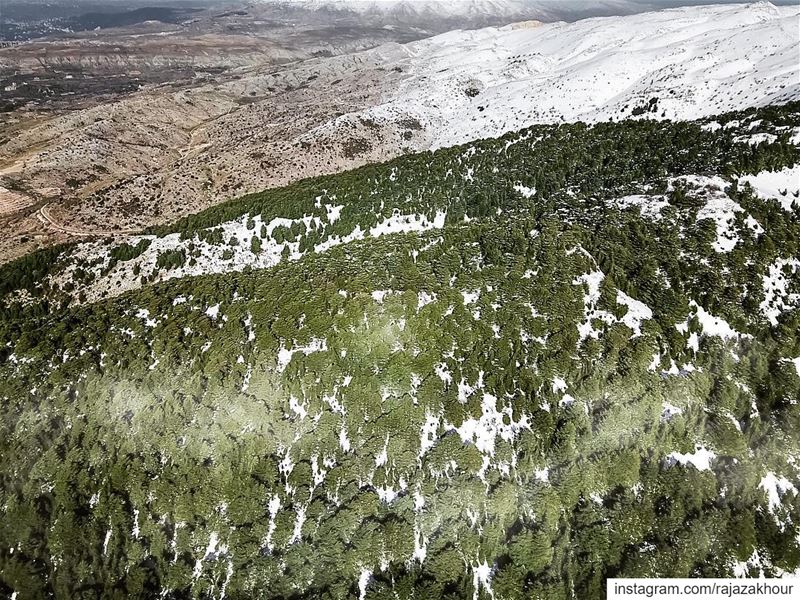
(158, 154)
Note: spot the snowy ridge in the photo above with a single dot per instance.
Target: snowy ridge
(405, 10)
(697, 61)
(439, 8)
(222, 258)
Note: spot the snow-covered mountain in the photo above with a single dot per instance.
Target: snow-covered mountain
(414, 9)
(465, 13)
(441, 7)
(677, 64)
(470, 11)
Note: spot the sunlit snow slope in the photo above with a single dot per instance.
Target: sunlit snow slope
(437, 8)
(695, 61)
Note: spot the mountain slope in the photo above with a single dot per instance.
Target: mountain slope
(316, 215)
(440, 8)
(677, 64)
(118, 171)
(586, 367)
(428, 12)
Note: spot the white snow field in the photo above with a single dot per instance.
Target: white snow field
(783, 185)
(697, 61)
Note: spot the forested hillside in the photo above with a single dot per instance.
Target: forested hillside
(509, 369)
(541, 170)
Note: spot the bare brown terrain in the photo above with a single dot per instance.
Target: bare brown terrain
(114, 130)
(161, 153)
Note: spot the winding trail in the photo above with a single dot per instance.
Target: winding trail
(44, 216)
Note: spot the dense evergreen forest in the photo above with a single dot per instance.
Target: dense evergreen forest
(508, 370)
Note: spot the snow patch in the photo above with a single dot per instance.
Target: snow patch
(777, 298)
(637, 312)
(400, 223)
(285, 355)
(783, 186)
(363, 581)
(776, 488)
(649, 206)
(669, 412)
(492, 423)
(701, 458)
(524, 191)
(482, 578)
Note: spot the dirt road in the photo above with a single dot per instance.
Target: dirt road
(44, 217)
